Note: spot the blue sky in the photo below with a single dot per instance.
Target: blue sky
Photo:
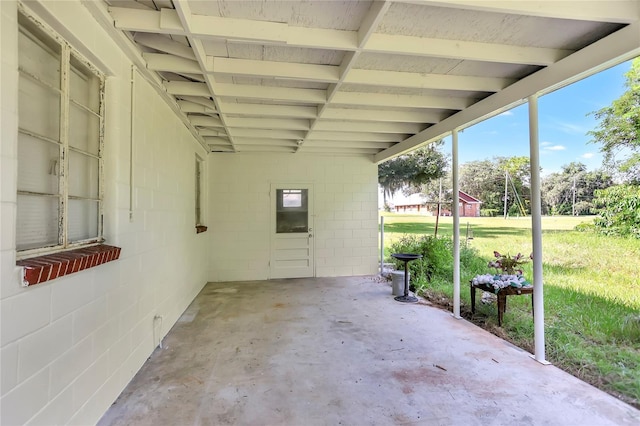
(563, 125)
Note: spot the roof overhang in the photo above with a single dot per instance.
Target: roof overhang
(374, 78)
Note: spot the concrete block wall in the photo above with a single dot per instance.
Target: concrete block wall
(345, 195)
(69, 346)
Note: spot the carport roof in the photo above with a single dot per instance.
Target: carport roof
(363, 77)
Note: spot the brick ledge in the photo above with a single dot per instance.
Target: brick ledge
(39, 269)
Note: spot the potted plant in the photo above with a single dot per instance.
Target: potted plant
(508, 272)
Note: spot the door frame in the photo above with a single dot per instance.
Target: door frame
(272, 221)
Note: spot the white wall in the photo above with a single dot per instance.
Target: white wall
(345, 225)
(69, 346)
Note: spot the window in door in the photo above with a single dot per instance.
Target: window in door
(292, 211)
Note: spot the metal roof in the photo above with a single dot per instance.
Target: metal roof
(363, 77)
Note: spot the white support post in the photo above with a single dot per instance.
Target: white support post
(381, 245)
(455, 209)
(536, 232)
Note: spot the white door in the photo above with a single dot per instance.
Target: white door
(291, 231)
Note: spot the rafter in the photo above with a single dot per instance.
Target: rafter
(459, 49)
(268, 123)
(205, 121)
(167, 21)
(406, 101)
(426, 81)
(171, 63)
(239, 132)
(164, 44)
(356, 136)
(620, 11)
(265, 148)
(426, 116)
(216, 140)
(314, 96)
(204, 101)
(212, 132)
(625, 42)
(348, 144)
(377, 127)
(289, 70)
(260, 110)
(337, 150)
(265, 141)
(191, 107)
(187, 88)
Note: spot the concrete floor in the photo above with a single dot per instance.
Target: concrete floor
(341, 351)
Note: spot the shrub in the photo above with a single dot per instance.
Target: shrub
(437, 261)
(619, 210)
(585, 227)
(489, 212)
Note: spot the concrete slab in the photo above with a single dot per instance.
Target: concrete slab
(332, 351)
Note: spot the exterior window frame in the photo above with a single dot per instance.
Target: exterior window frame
(68, 55)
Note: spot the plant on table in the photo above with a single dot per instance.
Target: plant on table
(508, 272)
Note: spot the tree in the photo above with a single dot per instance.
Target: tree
(619, 212)
(411, 170)
(571, 191)
(619, 129)
(485, 180)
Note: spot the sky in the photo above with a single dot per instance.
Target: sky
(563, 125)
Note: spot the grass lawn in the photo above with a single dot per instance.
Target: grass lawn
(591, 290)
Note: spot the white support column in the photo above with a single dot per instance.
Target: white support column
(455, 209)
(381, 245)
(536, 231)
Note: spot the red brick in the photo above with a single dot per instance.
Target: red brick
(48, 267)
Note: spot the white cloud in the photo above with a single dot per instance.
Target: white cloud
(545, 143)
(555, 148)
(588, 155)
(570, 128)
(506, 113)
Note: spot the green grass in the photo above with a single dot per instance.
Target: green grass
(591, 289)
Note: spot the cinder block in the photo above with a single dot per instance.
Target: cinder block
(68, 366)
(25, 313)
(9, 368)
(90, 381)
(25, 400)
(57, 412)
(105, 337)
(42, 347)
(88, 318)
(70, 293)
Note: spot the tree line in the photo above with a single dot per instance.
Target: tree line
(503, 183)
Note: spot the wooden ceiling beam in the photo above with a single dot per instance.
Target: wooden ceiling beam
(619, 11)
(272, 69)
(464, 50)
(403, 101)
(416, 80)
(313, 96)
(425, 116)
(376, 127)
(170, 63)
(263, 110)
(164, 44)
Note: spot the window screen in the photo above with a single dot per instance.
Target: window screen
(60, 121)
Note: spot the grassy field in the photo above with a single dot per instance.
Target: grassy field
(591, 289)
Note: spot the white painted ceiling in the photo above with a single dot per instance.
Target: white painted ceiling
(364, 77)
